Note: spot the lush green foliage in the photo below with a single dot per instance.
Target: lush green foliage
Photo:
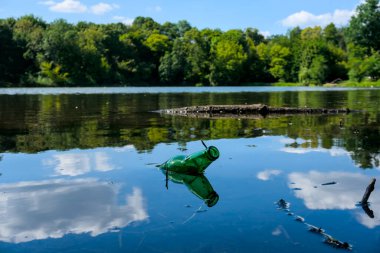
(33, 52)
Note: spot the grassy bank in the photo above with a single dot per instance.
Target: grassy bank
(364, 84)
(359, 84)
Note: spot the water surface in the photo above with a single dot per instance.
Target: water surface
(78, 172)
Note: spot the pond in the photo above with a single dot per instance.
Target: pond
(79, 171)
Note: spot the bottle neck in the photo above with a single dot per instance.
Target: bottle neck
(204, 158)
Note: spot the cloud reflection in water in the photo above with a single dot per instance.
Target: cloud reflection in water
(344, 195)
(53, 208)
(265, 175)
(75, 164)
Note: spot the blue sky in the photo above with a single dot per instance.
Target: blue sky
(269, 16)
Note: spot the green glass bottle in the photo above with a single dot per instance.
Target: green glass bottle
(195, 163)
(198, 185)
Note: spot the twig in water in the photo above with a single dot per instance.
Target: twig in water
(368, 192)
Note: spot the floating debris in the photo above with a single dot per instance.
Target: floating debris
(282, 204)
(300, 219)
(156, 164)
(296, 189)
(328, 239)
(336, 243)
(315, 229)
(114, 229)
(329, 183)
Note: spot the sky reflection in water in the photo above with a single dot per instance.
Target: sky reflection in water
(53, 208)
(96, 191)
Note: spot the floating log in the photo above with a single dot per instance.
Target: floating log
(368, 191)
(244, 110)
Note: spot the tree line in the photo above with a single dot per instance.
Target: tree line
(34, 52)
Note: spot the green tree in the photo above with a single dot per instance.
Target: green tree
(188, 61)
(53, 73)
(228, 58)
(364, 27)
(295, 44)
(28, 33)
(172, 66)
(60, 45)
(279, 63)
(12, 62)
(331, 35)
(158, 43)
(254, 35)
(264, 60)
(95, 68)
(313, 66)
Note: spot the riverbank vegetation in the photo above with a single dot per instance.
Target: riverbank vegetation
(36, 53)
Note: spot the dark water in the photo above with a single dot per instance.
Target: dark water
(78, 172)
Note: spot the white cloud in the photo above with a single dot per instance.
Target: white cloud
(126, 21)
(102, 8)
(266, 174)
(304, 18)
(44, 209)
(75, 6)
(67, 6)
(344, 195)
(47, 2)
(265, 33)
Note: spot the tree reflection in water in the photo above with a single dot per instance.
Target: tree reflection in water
(34, 123)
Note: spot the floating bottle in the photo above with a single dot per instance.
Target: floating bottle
(193, 164)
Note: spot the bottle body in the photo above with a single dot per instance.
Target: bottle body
(195, 163)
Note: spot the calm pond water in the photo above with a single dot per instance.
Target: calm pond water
(78, 171)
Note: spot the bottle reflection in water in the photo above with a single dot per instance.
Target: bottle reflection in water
(198, 185)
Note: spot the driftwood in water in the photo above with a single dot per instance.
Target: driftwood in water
(368, 192)
(244, 110)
